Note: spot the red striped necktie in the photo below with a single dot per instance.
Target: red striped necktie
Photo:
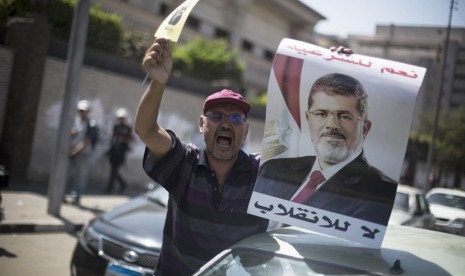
(316, 177)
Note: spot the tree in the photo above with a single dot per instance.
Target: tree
(450, 152)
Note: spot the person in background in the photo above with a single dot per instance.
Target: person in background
(80, 151)
(209, 187)
(119, 146)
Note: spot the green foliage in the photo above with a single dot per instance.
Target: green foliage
(208, 60)
(200, 58)
(134, 45)
(260, 100)
(451, 136)
(14, 7)
(60, 16)
(104, 32)
(450, 151)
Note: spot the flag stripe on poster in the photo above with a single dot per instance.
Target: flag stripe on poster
(288, 71)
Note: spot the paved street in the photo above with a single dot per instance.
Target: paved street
(33, 242)
(36, 254)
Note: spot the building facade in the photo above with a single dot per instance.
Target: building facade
(253, 27)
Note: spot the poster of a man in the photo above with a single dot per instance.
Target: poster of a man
(335, 136)
(339, 178)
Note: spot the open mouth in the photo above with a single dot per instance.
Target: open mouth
(224, 140)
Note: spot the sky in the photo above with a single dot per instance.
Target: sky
(360, 17)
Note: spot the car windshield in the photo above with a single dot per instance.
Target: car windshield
(263, 263)
(448, 200)
(401, 201)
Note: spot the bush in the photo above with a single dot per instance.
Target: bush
(13, 7)
(134, 45)
(104, 31)
(60, 16)
(208, 60)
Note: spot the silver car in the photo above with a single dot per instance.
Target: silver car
(448, 206)
(411, 208)
(295, 251)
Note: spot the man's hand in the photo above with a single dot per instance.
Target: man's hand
(157, 60)
(341, 50)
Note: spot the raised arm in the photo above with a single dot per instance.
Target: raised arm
(158, 61)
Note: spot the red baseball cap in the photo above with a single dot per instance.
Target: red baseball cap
(226, 96)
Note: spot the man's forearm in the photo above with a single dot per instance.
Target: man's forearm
(157, 63)
(148, 109)
(146, 123)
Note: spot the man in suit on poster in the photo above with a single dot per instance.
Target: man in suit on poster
(339, 178)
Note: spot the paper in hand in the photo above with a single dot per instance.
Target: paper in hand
(172, 26)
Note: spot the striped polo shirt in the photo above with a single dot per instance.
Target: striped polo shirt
(200, 222)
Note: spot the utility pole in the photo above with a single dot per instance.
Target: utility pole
(432, 146)
(75, 57)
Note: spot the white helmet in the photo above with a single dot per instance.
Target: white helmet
(121, 113)
(83, 105)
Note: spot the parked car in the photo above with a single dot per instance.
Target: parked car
(125, 240)
(295, 251)
(411, 208)
(448, 207)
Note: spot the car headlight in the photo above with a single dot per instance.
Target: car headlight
(90, 237)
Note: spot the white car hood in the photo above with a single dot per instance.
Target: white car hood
(399, 217)
(442, 211)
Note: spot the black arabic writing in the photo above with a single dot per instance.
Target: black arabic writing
(306, 215)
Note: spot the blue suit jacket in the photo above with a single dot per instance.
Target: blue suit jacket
(357, 190)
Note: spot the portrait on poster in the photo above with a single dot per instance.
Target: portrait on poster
(335, 136)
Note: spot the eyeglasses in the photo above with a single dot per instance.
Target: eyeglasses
(234, 118)
(343, 117)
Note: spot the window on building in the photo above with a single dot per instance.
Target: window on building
(164, 9)
(247, 46)
(193, 22)
(220, 33)
(455, 105)
(268, 55)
